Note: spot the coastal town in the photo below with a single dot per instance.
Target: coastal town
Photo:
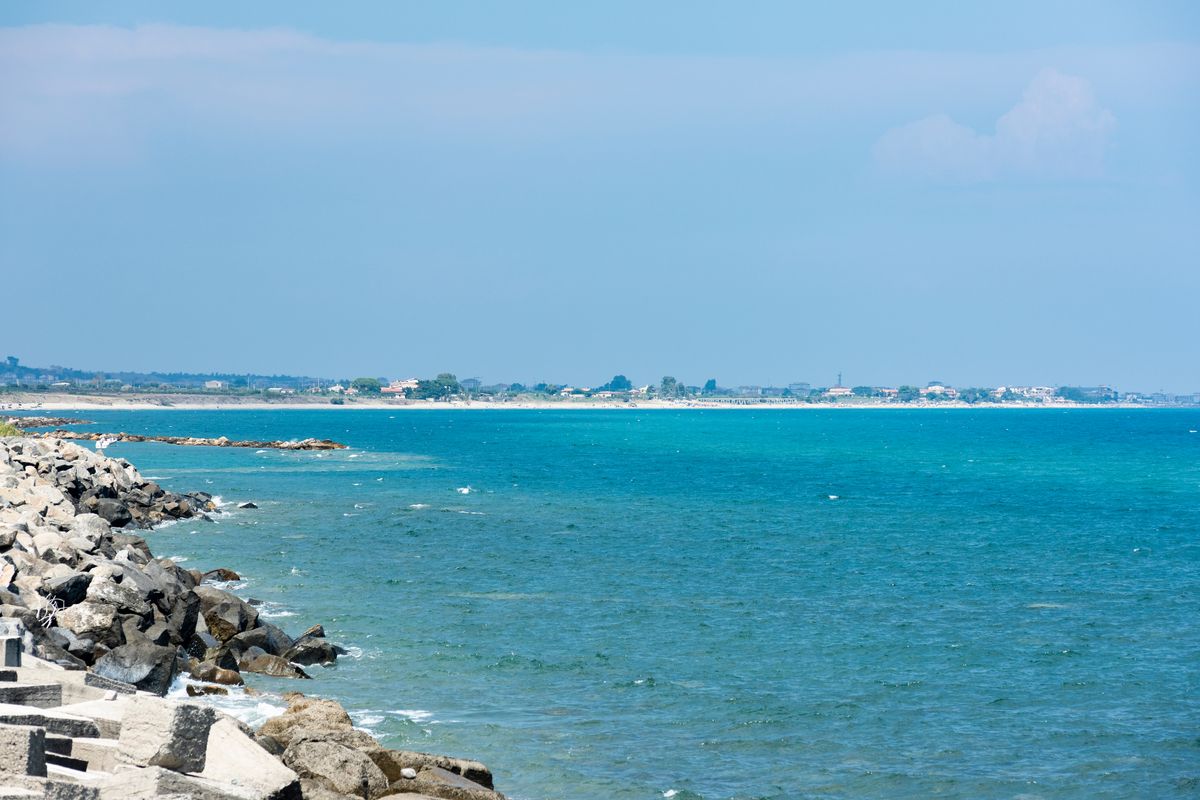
(22, 385)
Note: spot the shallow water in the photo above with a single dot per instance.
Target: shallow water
(626, 604)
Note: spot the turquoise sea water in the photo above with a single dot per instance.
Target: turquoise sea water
(733, 604)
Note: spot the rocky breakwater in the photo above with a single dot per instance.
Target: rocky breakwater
(94, 630)
(196, 441)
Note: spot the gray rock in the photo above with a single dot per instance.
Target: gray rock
(147, 666)
(266, 636)
(88, 618)
(311, 651)
(69, 589)
(117, 594)
(114, 512)
(266, 664)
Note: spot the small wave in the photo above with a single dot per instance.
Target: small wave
(166, 523)
(260, 451)
(361, 505)
(464, 490)
(418, 506)
(356, 484)
(464, 511)
(177, 559)
(414, 715)
(354, 652)
(273, 610)
(253, 711)
(365, 719)
(834, 497)
(220, 502)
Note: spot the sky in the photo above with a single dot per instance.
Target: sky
(761, 193)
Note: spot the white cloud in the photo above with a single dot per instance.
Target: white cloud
(1056, 130)
(84, 93)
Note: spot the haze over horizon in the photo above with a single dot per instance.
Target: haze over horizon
(987, 196)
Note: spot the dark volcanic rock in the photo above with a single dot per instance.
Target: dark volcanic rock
(114, 512)
(271, 639)
(70, 589)
(147, 666)
(311, 651)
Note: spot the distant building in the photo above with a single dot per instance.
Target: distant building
(470, 384)
(771, 391)
(799, 389)
(839, 391)
(214, 384)
(398, 387)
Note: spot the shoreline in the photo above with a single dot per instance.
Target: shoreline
(189, 403)
(99, 636)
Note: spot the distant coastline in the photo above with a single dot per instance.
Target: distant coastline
(17, 402)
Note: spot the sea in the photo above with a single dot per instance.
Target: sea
(743, 604)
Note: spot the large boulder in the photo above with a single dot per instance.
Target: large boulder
(125, 598)
(147, 666)
(225, 615)
(88, 618)
(337, 767)
(311, 651)
(113, 511)
(266, 636)
(255, 660)
(69, 589)
(392, 762)
(308, 713)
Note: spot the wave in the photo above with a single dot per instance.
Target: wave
(252, 710)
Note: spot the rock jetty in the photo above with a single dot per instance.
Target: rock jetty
(94, 631)
(195, 441)
(46, 422)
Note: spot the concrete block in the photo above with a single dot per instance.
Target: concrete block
(236, 758)
(108, 684)
(165, 733)
(53, 720)
(100, 754)
(41, 695)
(129, 782)
(23, 750)
(45, 789)
(106, 714)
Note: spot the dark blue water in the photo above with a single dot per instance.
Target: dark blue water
(734, 604)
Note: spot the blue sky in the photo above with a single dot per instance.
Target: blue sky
(760, 192)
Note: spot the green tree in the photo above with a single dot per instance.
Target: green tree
(619, 383)
(906, 394)
(710, 386)
(863, 391)
(367, 385)
(515, 388)
(443, 386)
(669, 387)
